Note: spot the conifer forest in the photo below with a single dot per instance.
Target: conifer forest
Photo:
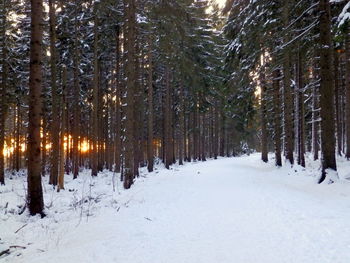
(175, 131)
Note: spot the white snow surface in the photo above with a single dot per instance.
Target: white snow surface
(220, 211)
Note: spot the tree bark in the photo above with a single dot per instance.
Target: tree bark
(337, 104)
(182, 140)
(216, 130)
(118, 103)
(18, 142)
(76, 95)
(150, 150)
(130, 9)
(347, 93)
(301, 110)
(315, 124)
(287, 86)
(35, 194)
(54, 161)
(277, 116)
(3, 106)
(95, 128)
(326, 92)
(222, 134)
(167, 119)
(263, 112)
(63, 129)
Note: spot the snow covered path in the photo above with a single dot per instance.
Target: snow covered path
(229, 210)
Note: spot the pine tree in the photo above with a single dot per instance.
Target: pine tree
(35, 194)
(326, 92)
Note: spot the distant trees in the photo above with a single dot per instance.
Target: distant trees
(306, 46)
(130, 83)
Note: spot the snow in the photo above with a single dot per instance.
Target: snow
(344, 15)
(228, 210)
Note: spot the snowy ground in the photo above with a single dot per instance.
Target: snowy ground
(229, 210)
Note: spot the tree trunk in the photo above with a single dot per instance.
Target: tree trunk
(347, 94)
(287, 86)
(277, 116)
(44, 141)
(182, 125)
(130, 10)
(137, 110)
(337, 103)
(203, 136)
(150, 150)
(118, 102)
(3, 85)
(95, 128)
(216, 131)
(326, 92)
(55, 97)
(35, 193)
(18, 142)
(222, 134)
(315, 124)
(167, 119)
(63, 114)
(195, 131)
(301, 111)
(76, 104)
(263, 112)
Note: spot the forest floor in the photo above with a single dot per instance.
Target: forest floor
(228, 210)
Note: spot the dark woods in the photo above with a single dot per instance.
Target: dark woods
(120, 85)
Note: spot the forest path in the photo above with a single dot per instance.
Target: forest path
(228, 210)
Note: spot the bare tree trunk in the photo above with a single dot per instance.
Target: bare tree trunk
(76, 106)
(130, 11)
(182, 125)
(95, 127)
(186, 136)
(337, 103)
(63, 114)
(3, 85)
(55, 97)
(277, 116)
(118, 102)
(44, 142)
(216, 131)
(315, 124)
(150, 150)
(326, 92)
(301, 111)
(137, 110)
(263, 112)
(347, 94)
(287, 85)
(172, 127)
(100, 121)
(210, 124)
(18, 143)
(195, 131)
(222, 134)
(35, 193)
(167, 119)
(203, 136)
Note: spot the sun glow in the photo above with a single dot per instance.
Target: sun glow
(221, 3)
(10, 145)
(84, 146)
